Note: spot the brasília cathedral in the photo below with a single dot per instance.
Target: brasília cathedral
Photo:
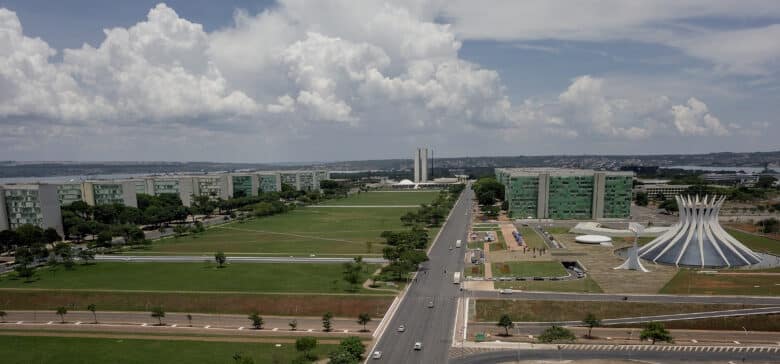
(698, 240)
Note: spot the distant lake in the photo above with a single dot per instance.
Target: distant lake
(718, 169)
(65, 179)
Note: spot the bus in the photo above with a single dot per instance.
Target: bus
(456, 278)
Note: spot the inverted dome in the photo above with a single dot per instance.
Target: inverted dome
(698, 239)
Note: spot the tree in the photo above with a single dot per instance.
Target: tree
(189, 319)
(327, 322)
(93, 308)
(62, 311)
(352, 272)
(51, 235)
(293, 324)
(257, 320)
(353, 347)
(506, 322)
(86, 255)
(655, 331)
(341, 356)
(239, 358)
(158, 313)
(641, 199)
(306, 345)
(3, 314)
(591, 321)
(220, 258)
(669, 205)
(556, 333)
(364, 319)
(770, 225)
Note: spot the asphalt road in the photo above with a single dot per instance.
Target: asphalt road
(215, 321)
(659, 356)
(607, 297)
(230, 259)
(433, 327)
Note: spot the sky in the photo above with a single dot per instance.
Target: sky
(327, 80)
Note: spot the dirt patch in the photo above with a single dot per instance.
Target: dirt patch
(267, 304)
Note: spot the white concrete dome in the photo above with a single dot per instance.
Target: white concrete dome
(593, 239)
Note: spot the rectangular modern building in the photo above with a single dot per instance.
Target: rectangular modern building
(36, 204)
(303, 180)
(547, 193)
(421, 165)
(110, 192)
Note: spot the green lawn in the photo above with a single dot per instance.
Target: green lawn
(474, 270)
(239, 277)
(688, 281)
(80, 350)
(304, 231)
(756, 242)
(386, 198)
(532, 238)
(574, 285)
(528, 269)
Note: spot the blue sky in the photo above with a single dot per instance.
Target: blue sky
(280, 81)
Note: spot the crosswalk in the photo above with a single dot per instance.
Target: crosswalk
(678, 348)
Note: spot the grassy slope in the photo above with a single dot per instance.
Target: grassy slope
(386, 198)
(342, 305)
(72, 350)
(533, 311)
(757, 243)
(688, 281)
(314, 231)
(532, 238)
(529, 269)
(247, 277)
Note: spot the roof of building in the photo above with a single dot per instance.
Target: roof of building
(560, 172)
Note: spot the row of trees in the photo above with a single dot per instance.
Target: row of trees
(488, 190)
(653, 331)
(28, 236)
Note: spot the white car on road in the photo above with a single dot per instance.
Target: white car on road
(418, 346)
(377, 355)
(401, 328)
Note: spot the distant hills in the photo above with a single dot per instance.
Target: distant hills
(10, 169)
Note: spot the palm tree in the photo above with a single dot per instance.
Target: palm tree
(591, 321)
(506, 322)
(92, 308)
(158, 313)
(2, 316)
(364, 319)
(189, 319)
(293, 324)
(257, 320)
(62, 311)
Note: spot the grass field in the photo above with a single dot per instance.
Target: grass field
(386, 198)
(528, 269)
(737, 323)
(342, 305)
(532, 238)
(689, 281)
(246, 277)
(81, 350)
(757, 243)
(304, 231)
(535, 311)
(575, 285)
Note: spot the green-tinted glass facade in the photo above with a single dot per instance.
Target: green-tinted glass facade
(570, 197)
(166, 186)
(23, 207)
(267, 182)
(523, 196)
(617, 196)
(108, 193)
(242, 186)
(69, 193)
(140, 187)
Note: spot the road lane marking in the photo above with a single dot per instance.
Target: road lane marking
(50, 322)
(207, 326)
(174, 325)
(143, 324)
(310, 330)
(275, 329)
(241, 328)
(19, 322)
(78, 322)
